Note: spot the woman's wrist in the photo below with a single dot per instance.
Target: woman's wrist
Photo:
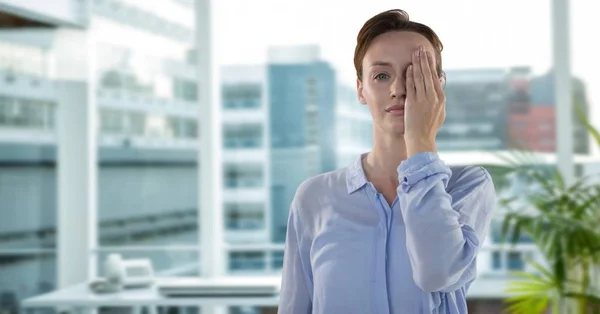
(415, 145)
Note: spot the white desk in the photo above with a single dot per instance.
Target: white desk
(81, 297)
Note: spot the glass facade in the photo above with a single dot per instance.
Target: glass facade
(302, 121)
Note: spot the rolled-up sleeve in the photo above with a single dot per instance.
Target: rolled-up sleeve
(295, 296)
(444, 229)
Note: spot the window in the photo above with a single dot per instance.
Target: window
(496, 260)
(112, 121)
(26, 114)
(247, 261)
(277, 260)
(185, 90)
(242, 136)
(515, 261)
(243, 177)
(23, 59)
(241, 96)
(245, 217)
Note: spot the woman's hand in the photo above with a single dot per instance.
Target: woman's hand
(425, 108)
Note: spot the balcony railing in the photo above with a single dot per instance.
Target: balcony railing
(245, 224)
(243, 142)
(22, 86)
(245, 194)
(246, 116)
(124, 100)
(244, 183)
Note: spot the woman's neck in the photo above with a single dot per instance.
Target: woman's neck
(383, 161)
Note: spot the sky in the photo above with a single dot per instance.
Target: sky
(475, 33)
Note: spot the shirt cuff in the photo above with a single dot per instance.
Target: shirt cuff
(420, 166)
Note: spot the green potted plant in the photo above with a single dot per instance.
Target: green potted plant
(563, 221)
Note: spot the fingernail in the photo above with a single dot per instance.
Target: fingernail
(416, 52)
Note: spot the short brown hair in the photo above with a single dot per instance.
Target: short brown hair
(388, 21)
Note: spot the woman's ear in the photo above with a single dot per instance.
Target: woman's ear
(359, 91)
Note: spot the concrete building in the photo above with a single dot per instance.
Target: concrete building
(533, 124)
(476, 110)
(107, 89)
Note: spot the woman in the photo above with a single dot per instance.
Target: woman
(397, 231)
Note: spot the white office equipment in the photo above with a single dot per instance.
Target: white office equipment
(234, 287)
(129, 273)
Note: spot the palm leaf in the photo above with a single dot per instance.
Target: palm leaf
(582, 116)
(532, 293)
(562, 220)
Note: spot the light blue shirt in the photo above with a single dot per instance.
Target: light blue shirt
(347, 251)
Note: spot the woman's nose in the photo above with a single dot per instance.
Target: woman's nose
(398, 88)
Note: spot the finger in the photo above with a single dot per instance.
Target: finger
(443, 113)
(437, 84)
(418, 75)
(443, 116)
(431, 60)
(410, 84)
(427, 76)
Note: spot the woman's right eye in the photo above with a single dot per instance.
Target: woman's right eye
(381, 76)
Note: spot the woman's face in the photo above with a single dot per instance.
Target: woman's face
(383, 86)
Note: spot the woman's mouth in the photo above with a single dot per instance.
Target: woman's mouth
(396, 110)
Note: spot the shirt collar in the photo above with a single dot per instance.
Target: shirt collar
(355, 175)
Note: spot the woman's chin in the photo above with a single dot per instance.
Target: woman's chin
(396, 130)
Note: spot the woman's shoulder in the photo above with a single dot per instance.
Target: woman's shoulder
(323, 183)
(319, 189)
(317, 197)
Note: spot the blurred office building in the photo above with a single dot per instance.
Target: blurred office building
(129, 66)
(247, 168)
(476, 110)
(532, 118)
(354, 126)
(313, 126)
(302, 98)
(505, 108)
